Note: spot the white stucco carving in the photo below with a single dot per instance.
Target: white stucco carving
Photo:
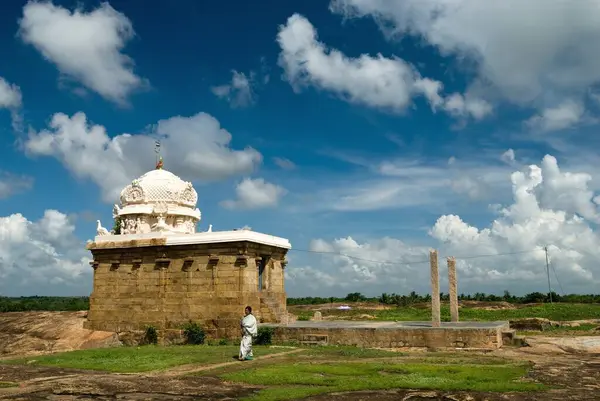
(158, 201)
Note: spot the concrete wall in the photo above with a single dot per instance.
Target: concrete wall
(166, 286)
(394, 337)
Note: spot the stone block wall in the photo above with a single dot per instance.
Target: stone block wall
(485, 338)
(167, 286)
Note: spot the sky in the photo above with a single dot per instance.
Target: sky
(367, 132)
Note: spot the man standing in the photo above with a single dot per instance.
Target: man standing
(249, 330)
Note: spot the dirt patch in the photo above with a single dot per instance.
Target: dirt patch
(125, 387)
(33, 333)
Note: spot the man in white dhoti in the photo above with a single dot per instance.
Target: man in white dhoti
(249, 330)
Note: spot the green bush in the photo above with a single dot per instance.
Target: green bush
(194, 334)
(223, 341)
(264, 336)
(150, 335)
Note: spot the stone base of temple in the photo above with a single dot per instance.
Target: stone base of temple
(138, 284)
(462, 335)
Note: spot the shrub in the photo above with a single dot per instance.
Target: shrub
(194, 334)
(223, 341)
(150, 335)
(264, 336)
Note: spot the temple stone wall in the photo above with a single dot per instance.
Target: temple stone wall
(167, 286)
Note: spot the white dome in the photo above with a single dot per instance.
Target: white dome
(159, 186)
(158, 201)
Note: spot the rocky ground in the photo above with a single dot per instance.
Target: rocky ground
(32, 333)
(572, 364)
(577, 375)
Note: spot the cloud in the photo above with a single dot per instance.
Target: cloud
(565, 115)
(11, 184)
(508, 157)
(549, 208)
(284, 163)
(44, 253)
(255, 194)
(530, 54)
(196, 148)
(239, 93)
(10, 95)
(379, 82)
(429, 183)
(85, 46)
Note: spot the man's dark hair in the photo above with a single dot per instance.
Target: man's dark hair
(249, 309)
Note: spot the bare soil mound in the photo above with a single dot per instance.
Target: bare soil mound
(33, 333)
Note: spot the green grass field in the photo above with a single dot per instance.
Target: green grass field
(557, 311)
(141, 359)
(315, 370)
(287, 381)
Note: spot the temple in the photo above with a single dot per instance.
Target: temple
(154, 269)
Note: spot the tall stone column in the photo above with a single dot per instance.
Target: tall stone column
(435, 289)
(453, 289)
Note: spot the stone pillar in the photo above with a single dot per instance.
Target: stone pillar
(452, 289)
(435, 289)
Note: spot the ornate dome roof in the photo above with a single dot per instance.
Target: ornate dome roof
(159, 186)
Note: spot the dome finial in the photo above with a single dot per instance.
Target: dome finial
(159, 159)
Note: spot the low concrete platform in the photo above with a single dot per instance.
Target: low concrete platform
(478, 335)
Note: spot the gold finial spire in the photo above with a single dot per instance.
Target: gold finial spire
(159, 159)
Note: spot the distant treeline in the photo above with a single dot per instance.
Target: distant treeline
(27, 304)
(414, 298)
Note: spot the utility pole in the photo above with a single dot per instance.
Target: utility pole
(548, 274)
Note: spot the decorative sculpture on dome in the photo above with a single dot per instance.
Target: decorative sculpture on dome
(101, 230)
(116, 210)
(157, 201)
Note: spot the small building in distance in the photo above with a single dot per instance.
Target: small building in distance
(154, 269)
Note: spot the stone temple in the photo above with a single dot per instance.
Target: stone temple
(154, 269)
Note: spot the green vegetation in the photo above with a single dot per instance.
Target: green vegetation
(151, 335)
(581, 330)
(264, 336)
(556, 311)
(315, 370)
(139, 359)
(24, 304)
(28, 304)
(8, 384)
(194, 334)
(299, 380)
(414, 298)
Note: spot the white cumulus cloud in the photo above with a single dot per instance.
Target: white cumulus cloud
(196, 148)
(42, 254)
(550, 208)
(375, 81)
(530, 53)
(10, 95)
(239, 92)
(11, 184)
(255, 194)
(85, 46)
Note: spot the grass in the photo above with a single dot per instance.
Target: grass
(585, 329)
(299, 380)
(556, 311)
(8, 384)
(140, 359)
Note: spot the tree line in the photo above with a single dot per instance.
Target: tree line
(42, 303)
(414, 298)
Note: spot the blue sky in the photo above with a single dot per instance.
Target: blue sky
(369, 128)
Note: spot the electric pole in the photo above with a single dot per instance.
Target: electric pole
(548, 274)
